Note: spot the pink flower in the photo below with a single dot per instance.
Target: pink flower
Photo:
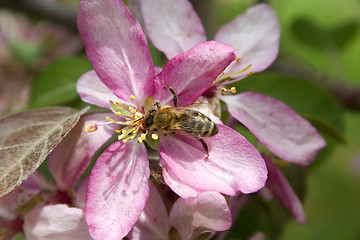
(124, 74)
(281, 189)
(41, 211)
(255, 34)
(191, 217)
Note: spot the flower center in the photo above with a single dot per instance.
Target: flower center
(131, 123)
(224, 79)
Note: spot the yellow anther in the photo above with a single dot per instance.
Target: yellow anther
(140, 140)
(132, 97)
(130, 108)
(118, 130)
(224, 90)
(115, 103)
(91, 127)
(249, 73)
(133, 111)
(110, 120)
(154, 136)
(143, 136)
(118, 113)
(238, 59)
(138, 115)
(233, 90)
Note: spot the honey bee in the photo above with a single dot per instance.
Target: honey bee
(167, 119)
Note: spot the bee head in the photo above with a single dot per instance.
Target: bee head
(149, 118)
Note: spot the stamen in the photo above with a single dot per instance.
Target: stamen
(133, 122)
(249, 73)
(91, 127)
(132, 97)
(154, 136)
(232, 90)
(118, 122)
(142, 138)
(138, 115)
(238, 59)
(228, 76)
(120, 109)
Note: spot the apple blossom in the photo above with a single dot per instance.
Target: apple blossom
(281, 189)
(191, 217)
(173, 27)
(40, 210)
(124, 81)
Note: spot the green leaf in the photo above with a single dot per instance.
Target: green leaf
(315, 37)
(19, 236)
(26, 52)
(57, 83)
(345, 34)
(27, 138)
(304, 97)
(327, 129)
(308, 33)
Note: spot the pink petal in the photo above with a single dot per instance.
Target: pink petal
(233, 164)
(173, 26)
(117, 191)
(154, 221)
(277, 126)
(256, 35)
(69, 160)
(117, 48)
(179, 187)
(192, 72)
(135, 9)
(92, 90)
(10, 228)
(80, 194)
(282, 190)
(193, 216)
(56, 222)
(258, 236)
(23, 195)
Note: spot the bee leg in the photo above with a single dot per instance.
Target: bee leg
(205, 147)
(174, 94)
(158, 105)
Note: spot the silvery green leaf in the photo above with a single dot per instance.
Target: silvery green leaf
(27, 138)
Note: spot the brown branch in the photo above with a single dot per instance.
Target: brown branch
(53, 11)
(346, 94)
(349, 96)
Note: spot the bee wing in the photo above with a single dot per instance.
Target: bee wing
(190, 123)
(185, 130)
(193, 106)
(204, 108)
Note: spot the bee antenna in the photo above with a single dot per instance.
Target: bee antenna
(158, 104)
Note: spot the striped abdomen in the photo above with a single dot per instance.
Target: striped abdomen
(197, 124)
